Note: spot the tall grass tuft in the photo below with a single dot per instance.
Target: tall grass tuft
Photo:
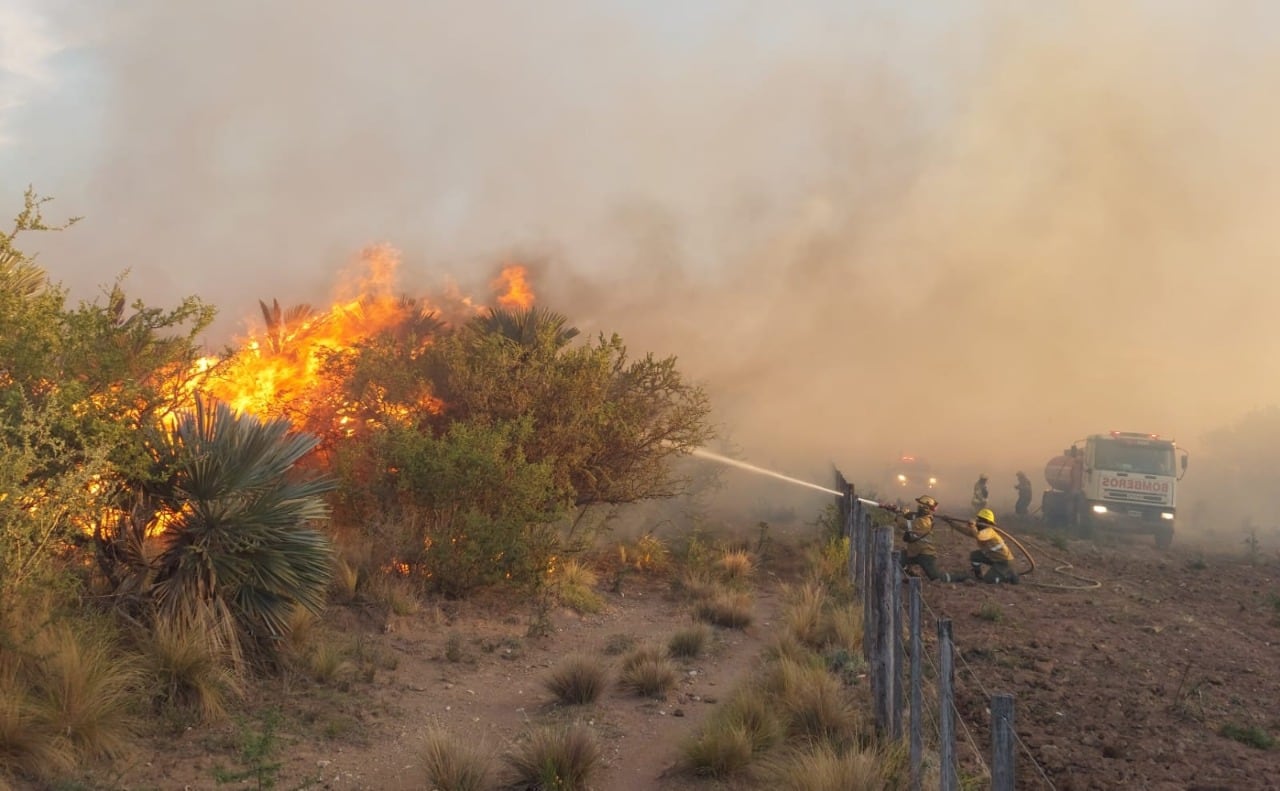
(752, 710)
(806, 613)
(735, 567)
(563, 759)
(24, 746)
(689, 643)
(648, 673)
(725, 608)
(82, 693)
(577, 680)
(575, 587)
(187, 672)
(821, 767)
(454, 765)
(818, 709)
(719, 750)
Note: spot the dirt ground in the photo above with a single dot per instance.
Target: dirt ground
(1131, 684)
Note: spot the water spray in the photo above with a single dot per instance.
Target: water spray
(706, 454)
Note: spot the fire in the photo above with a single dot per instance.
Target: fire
(516, 292)
(277, 371)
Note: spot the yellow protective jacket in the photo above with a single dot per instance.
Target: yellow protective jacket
(916, 529)
(989, 541)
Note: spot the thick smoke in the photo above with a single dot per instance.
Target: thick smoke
(972, 233)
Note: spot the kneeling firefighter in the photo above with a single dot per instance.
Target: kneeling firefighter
(917, 526)
(991, 552)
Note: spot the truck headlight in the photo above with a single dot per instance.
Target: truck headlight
(1166, 515)
(1099, 509)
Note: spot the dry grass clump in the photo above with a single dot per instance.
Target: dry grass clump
(735, 567)
(393, 592)
(577, 680)
(563, 759)
(821, 767)
(646, 672)
(719, 752)
(24, 747)
(648, 554)
(814, 618)
(689, 643)
(574, 587)
(725, 608)
(739, 731)
(187, 672)
(451, 764)
(694, 584)
(818, 708)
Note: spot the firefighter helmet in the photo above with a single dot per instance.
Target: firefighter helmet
(927, 502)
(985, 515)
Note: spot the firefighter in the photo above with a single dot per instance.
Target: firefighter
(991, 552)
(980, 493)
(917, 526)
(1024, 494)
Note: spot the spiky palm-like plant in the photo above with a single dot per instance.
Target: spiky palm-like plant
(238, 544)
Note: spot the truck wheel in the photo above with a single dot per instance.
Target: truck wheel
(1164, 537)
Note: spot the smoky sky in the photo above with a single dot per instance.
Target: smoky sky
(970, 231)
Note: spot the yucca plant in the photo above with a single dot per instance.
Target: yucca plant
(237, 540)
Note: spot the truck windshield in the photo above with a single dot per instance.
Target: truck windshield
(1120, 456)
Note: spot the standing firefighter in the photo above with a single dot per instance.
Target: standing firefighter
(917, 526)
(980, 493)
(1024, 494)
(991, 549)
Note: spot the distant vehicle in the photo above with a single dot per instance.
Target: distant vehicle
(912, 473)
(1124, 479)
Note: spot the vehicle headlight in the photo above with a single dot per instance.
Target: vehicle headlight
(902, 478)
(933, 481)
(1099, 509)
(1166, 515)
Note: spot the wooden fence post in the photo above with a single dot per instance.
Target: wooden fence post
(895, 642)
(1002, 743)
(946, 722)
(917, 693)
(882, 640)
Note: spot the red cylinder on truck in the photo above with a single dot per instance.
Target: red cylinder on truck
(1062, 473)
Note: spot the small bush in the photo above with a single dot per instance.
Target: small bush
(453, 650)
(346, 580)
(1252, 735)
(647, 673)
(393, 592)
(724, 608)
(577, 680)
(556, 759)
(688, 643)
(454, 765)
(990, 611)
(820, 767)
(720, 750)
(735, 566)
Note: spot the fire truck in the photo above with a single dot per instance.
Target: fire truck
(1122, 480)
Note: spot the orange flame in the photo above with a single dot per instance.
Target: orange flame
(277, 371)
(512, 287)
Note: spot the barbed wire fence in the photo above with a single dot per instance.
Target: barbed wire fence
(893, 650)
